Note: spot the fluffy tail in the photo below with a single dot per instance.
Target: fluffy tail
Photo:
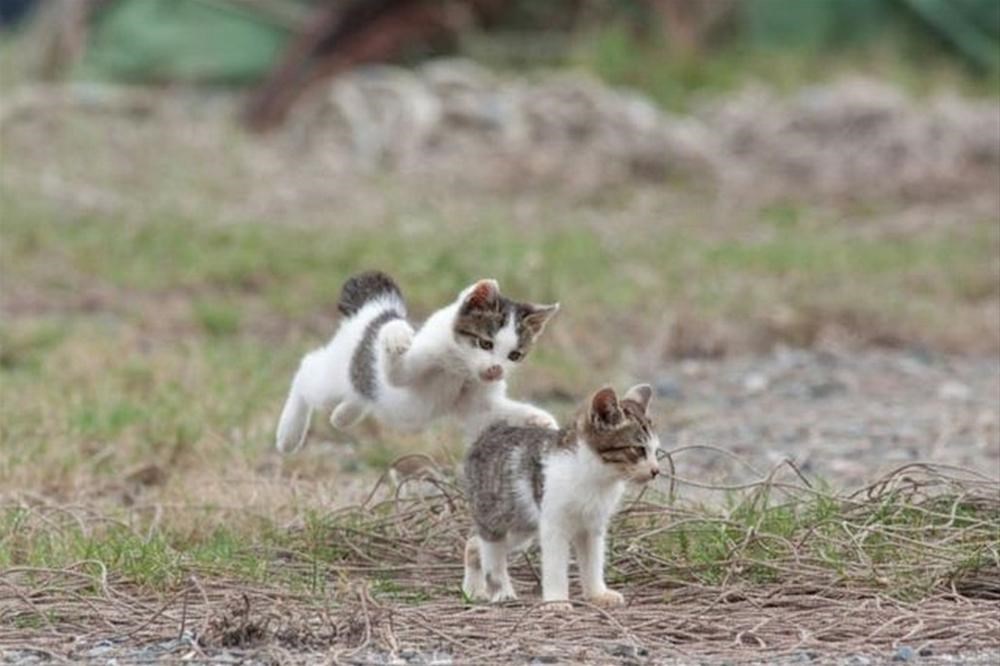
(363, 288)
(294, 422)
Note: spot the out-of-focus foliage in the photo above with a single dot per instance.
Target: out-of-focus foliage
(665, 47)
(971, 28)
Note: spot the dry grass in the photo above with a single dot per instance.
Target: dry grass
(910, 560)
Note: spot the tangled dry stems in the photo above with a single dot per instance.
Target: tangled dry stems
(912, 559)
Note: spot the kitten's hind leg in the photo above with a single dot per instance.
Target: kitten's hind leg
(493, 555)
(474, 582)
(347, 414)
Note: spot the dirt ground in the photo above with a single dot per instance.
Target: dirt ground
(807, 336)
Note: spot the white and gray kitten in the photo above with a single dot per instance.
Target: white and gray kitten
(562, 486)
(455, 364)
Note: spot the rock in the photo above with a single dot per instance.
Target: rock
(755, 382)
(826, 389)
(925, 652)
(668, 388)
(628, 651)
(954, 391)
(904, 653)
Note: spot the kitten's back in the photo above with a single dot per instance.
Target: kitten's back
(504, 477)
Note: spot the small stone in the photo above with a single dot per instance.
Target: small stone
(904, 653)
(825, 389)
(954, 391)
(692, 368)
(755, 383)
(925, 652)
(628, 651)
(668, 388)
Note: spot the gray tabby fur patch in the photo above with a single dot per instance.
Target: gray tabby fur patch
(363, 361)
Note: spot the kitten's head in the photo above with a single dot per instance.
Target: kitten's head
(621, 433)
(493, 333)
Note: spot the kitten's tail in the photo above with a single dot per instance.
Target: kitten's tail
(369, 286)
(294, 422)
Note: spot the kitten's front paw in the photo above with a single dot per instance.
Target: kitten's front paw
(542, 419)
(558, 606)
(475, 588)
(397, 337)
(503, 595)
(608, 599)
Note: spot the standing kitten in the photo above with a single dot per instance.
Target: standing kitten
(562, 485)
(455, 363)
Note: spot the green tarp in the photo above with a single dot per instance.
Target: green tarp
(186, 40)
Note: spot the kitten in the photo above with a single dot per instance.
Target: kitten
(562, 485)
(456, 363)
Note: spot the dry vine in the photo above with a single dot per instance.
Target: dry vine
(912, 559)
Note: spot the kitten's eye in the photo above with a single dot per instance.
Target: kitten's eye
(485, 344)
(515, 356)
(639, 450)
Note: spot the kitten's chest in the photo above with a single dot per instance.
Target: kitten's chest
(579, 500)
(442, 390)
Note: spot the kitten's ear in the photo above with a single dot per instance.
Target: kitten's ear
(640, 394)
(481, 295)
(604, 409)
(538, 316)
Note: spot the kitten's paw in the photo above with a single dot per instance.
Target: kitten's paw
(503, 595)
(558, 606)
(397, 337)
(608, 599)
(542, 419)
(474, 588)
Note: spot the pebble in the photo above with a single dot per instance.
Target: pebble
(826, 389)
(954, 391)
(755, 382)
(668, 388)
(904, 653)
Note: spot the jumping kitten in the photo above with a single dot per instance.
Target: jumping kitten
(455, 363)
(562, 485)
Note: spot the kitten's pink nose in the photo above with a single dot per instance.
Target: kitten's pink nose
(653, 473)
(492, 373)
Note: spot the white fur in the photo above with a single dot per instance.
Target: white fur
(581, 495)
(420, 375)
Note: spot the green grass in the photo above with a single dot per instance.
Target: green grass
(171, 340)
(143, 362)
(902, 547)
(678, 81)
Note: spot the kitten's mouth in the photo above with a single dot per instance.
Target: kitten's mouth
(643, 478)
(491, 374)
(488, 376)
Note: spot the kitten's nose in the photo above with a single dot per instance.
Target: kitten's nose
(492, 373)
(653, 473)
